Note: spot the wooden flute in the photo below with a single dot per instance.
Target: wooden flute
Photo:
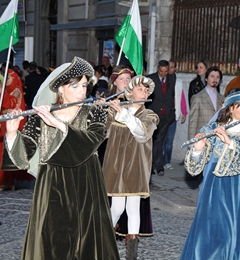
(30, 112)
(207, 135)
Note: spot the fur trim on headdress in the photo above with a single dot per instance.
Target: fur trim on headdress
(136, 81)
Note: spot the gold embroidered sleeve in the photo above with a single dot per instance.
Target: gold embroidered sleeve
(195, 166)
(228, 162)
(24, 146)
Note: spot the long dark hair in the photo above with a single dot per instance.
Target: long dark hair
(225, 114)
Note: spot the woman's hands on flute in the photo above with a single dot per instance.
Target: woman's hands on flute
(115, 104)
(13, 124)
(99, 101)
(199, 145)
(48, 118)
(221, 133)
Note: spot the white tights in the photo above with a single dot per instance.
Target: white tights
(132, 204)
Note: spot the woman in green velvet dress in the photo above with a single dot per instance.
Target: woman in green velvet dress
(69, 217)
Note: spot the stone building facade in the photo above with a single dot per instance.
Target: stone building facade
(54, 31)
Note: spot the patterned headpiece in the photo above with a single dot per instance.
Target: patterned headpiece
(136, 81)
(231, 98)
(115, 74)
(78, 67)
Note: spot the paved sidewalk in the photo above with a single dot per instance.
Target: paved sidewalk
(176, 189)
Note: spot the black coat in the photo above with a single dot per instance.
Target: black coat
(32, 82)
(195, 86)
(159, 100)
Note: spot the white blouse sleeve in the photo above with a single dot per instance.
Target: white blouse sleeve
(127, 117)
(10, 143)
(196, 155)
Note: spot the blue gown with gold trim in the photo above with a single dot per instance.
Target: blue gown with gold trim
(215, 230)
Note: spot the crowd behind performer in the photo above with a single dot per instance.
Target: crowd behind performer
(25, 65)
(163, 106)
(25, 70)
(198, 84)
(42, 71)
(102, 85)
(180, 112)
(12, 99)
(234, 83)
(70, 216)
(19, 72)
(215, 230)
(32, 83)
(107, 64)
(128, 157)
(205, 103)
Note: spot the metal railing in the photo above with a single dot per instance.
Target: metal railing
(204, 29)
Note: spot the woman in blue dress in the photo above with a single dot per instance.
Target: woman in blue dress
(215, 231)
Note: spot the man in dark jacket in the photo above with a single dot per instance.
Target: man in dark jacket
(163, 105)
(32, 82)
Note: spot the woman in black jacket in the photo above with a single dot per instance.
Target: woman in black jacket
(198, 84)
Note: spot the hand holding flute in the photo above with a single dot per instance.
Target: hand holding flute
(199, 145)
(13, 125)
(43, 112)
(200, 139)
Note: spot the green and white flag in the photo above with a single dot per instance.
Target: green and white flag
(9, 26)
(130, 36)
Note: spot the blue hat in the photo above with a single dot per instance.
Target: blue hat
(231, 98)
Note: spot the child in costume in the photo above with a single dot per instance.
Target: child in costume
(128, 156)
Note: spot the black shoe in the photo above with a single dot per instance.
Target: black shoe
(160, 173)
(182, 162)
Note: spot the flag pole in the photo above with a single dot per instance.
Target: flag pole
(7, 64)
(120, 52)
(6, 71)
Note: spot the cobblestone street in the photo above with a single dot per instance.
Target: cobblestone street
(170, 228)
(173, 201)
